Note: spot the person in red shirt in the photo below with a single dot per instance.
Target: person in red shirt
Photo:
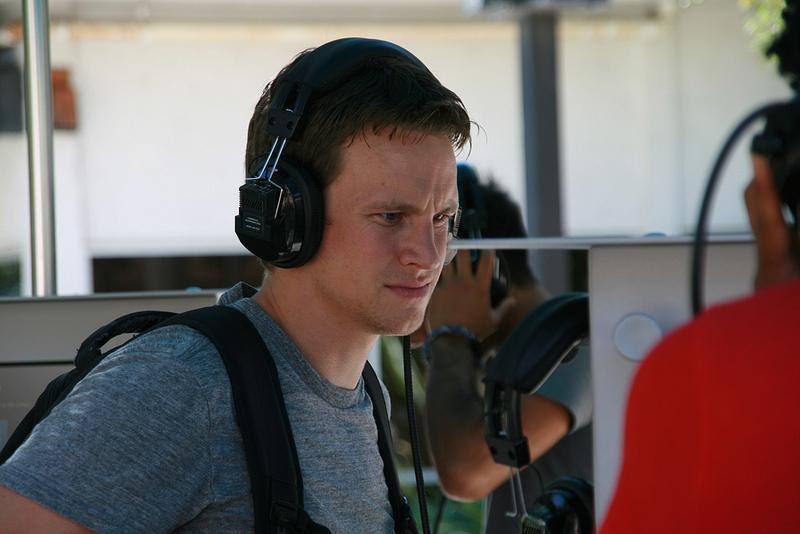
(712, 435)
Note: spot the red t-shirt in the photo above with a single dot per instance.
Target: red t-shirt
(712, 437)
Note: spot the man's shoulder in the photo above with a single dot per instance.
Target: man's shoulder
(180, 342)
(174, 350)
(173, 344)
(149, 408)
(178, 348)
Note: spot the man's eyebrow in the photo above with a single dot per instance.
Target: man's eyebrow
(450, 205)
(396, 205)
(392, 205)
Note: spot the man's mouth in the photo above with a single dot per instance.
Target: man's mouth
(410, 290)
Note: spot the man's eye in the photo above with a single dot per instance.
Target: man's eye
(441, 218)
(390, 217)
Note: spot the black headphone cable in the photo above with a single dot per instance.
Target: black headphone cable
(412, 429)
(698, 251)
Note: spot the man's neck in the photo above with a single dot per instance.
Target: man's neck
(336, 349)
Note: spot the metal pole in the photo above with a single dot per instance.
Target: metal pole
(39, 125)
(542, 170)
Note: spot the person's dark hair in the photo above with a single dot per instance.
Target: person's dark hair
(386, 95)
(786, 45)
(504, 219)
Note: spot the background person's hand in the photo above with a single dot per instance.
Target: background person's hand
(462, 298)
(775, 243)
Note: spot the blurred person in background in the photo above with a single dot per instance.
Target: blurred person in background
(711, 429)
(556, 420)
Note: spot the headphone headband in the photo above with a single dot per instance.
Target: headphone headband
(320, 70)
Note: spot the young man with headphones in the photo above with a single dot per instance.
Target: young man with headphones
(350, 202)
(555, 420)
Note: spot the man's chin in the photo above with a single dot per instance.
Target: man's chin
(409, 326)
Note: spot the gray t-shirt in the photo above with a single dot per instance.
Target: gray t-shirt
(148, 442)
(570, 386)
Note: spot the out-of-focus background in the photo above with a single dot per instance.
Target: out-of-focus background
(155, 96)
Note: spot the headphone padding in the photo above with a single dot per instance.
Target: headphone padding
(305, 190)
(539, 342)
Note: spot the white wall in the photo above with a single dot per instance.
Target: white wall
(646, 105)
(72, 255)
(162, 112)
(13, 195)
(721, 79)
(618, 130)
(163, 109)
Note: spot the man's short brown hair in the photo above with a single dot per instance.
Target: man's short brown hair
(385, 95)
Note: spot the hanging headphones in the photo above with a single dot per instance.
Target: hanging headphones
(546, 337)
(474, 221)
(539, 343)
(281, 208)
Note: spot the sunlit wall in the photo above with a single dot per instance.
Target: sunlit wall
(154, 163)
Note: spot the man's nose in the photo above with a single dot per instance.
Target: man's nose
(423, 247)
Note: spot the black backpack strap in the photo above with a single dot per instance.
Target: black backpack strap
(132, 323)
(403, 520)
(275, 479)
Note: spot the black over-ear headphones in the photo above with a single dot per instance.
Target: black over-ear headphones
(565, 507)
(474, 221)
(281, 208)
(545, 338)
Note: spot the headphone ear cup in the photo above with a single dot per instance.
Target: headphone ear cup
(304, 222)
(281, 221)
(540, 342)
(571, 495)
